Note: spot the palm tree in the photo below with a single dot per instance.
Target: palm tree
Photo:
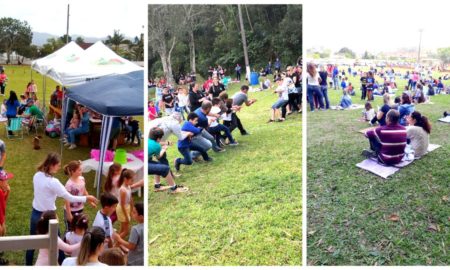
(115, 40)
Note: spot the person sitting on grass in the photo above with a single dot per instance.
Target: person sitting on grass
(350, 89)
(405, 109)
(387, 143)
(346, 101)
(369, 112)
(185, 146)
(381, 114)
(135, 243)
(157, 168)
(265, 84)
(418, 133)
(92, 245)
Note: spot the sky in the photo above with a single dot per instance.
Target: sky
(377, 26)
(90, 18)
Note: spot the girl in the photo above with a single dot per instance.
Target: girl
(111, 184)
(405, 109)
(92, 245)
(42, 228)
(418, 132)
(183, 101)
(124, 207)
(80, 224)
(12, 104)
(46, 189)
(75, 121)
(369, 112)
(76, 186)
(152, 113)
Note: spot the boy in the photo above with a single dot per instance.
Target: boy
(102, 219)
(185, 146)
(136, 241)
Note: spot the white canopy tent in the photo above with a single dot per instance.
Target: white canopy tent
(97, 61)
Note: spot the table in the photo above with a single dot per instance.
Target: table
(135, 164)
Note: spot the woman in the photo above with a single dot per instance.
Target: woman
(381, 114)
(323, 85)
(418, 132)
(92, 245)
(12, 104)
(46, 189)
(313, 81)
(405, 109)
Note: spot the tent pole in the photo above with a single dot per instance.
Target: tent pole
(106, 127)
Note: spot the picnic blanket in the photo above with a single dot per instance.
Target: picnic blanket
(384, 171)
(352, 107)
(445, 119)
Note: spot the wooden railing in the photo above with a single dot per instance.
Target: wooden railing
(48, 241)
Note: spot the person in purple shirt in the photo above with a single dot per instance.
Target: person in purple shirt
(387, 142)
(185, 146)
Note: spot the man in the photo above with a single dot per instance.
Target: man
(387, 142)
(335, 77)
(203, 122)
(238, 100)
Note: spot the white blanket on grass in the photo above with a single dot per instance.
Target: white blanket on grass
(445, 119)
(352, 107)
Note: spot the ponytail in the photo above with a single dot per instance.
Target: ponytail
(71, 167)
(92, 239)
(421, 121)
(126, 174)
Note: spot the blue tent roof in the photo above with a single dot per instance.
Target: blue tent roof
(115, 95)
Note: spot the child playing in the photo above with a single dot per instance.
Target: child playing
(125, 201)
(75, 186)
(183, 100)
(215, 128)
(102, 219)
(185, 146)
(111, 184)
(152, 113)
(80, 224)
(369, 112)
(4, 194)
(136, 241)
(350, 89)
(343, 83)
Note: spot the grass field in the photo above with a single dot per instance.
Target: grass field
(22, 160)
(349, 209)
(244, 208)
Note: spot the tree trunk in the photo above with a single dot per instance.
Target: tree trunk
(248, 17)
(244, 44)
(169, 74)
(192, 50)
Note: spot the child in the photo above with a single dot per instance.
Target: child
(185, 146)
(136, 241)
(111, 184)
(168, 100)
(76, 186)
(113, 257)
(102, 219)
(80, 224)
(343, 84)
(4, 195)
(152, 113)
(350, 89)
(215, 128)
(183, 100)
(75, 121)
(369, 112)
(42, 228)
(125, 201)
(346, 101)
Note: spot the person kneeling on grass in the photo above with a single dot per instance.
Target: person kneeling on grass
(215, 128)
(157, 168)
(387, 142)
(185, 146)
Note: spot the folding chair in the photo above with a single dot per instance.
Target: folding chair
(15, 125)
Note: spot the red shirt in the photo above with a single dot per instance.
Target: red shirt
(2, 206)
(2, 78)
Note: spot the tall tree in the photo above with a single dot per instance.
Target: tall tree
(115, 40)
(79, 40)
(14, 34)
(191, 15)
(444, 55)
(244, 43)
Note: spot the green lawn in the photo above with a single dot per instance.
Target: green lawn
(22, 160)
(244, 208)
(348, 208)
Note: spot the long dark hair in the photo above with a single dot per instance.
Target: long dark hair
(42, 225)
(421, 121)
(51, 160)
(12, 97)
(92, 239)
(126, 174)
(115, 167)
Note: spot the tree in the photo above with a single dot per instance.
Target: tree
(115, 40)
(347, 53)
(27, 52)
(79, 40)
(444, 55)
(367, 55)
(14, 34)
(52, 45)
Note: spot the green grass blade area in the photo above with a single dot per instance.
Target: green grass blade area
(349, 208)
(244, 208)
(22, 161)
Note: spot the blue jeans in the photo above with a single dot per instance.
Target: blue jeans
(186, 152)
(209, 137)
(200, 141)
(314, 89)
(335, 82)
(184, 109)
(325, 95)
(216, 132)
(74, 132)
(157, 168)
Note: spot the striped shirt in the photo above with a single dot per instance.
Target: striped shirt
(393, 142)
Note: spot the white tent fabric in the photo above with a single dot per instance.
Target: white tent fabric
(97, 61)
(71, 53)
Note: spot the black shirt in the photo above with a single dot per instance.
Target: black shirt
(323, 76)
(363, 82)
(194, 100)
(167, 100)
(215, 90)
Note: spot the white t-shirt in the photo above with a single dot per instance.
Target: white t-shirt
(182, 100)
(72, 261)
(100, 222)
(313, 80)
(47, 189)
(71, 239)
(214, 109)
(42, 258)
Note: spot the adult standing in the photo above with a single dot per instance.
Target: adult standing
(335, 77)
(277, 65)
(46, 189)
(370, 86)
(239, 99)
(324, 86)
(3, 80)
(195, 97)
(313, 88)
(238, 72)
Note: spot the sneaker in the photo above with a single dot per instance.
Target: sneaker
(368, 153)
(219, 150)
(72, 146)
(234, 144)
(222, 142)
(209, 159)
(178, 189)
(177, 165)
(270, 121)
(245, 134)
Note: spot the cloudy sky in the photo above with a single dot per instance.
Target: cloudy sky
(92, 18)
(381, 25)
